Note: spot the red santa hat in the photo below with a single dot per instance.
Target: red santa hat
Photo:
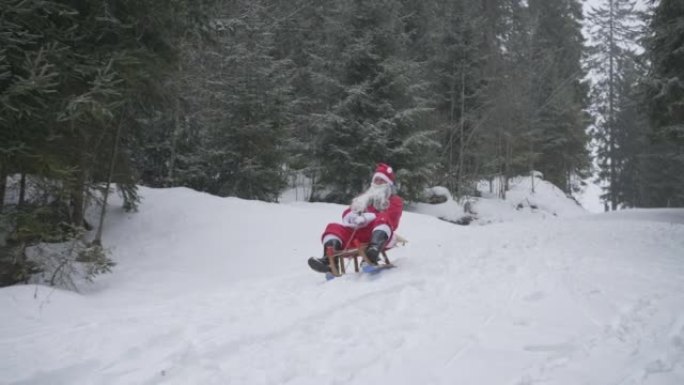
(384, 172)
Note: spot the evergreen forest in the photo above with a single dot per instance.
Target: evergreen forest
(241, 97)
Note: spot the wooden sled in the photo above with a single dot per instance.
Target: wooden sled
(338, 259)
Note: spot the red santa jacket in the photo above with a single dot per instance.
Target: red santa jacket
(390, 216)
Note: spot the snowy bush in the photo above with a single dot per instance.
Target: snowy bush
(68, 265)
(436, 195)
(38, 245)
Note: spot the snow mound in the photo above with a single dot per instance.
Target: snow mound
(524, 201)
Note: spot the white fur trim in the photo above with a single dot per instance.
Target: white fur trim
(383, 177)
(385, 229)
(329, 237)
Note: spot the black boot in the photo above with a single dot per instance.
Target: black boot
(376, 245)
(322, 265)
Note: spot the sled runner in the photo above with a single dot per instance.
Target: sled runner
(338, 260)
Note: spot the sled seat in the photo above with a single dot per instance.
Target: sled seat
(356, 253)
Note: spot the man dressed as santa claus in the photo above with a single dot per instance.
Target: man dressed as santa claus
(371, 218)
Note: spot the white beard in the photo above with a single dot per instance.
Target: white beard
(376, 196)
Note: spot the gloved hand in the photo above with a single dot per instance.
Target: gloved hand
(358, 220)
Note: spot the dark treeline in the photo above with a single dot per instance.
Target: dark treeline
(234, 97)
(231, 97)
(659, 157)
(639, 102)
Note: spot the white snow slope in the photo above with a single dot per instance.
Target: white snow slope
(214, 290)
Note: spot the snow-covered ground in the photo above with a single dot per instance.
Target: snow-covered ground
(214, 290)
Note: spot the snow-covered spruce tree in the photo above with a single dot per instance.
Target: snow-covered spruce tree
(456, 74)
(613, 29)
(111, 83)
(167, 145)
(28, 84)
(664, 179)
(376, 115)
(95, 70)
(631, 122)
(304, 34)
(510, 134)
(479, 71)
(560, 96)
(245, 111)
(40, 82)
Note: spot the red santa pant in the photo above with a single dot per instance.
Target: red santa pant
(362, 234)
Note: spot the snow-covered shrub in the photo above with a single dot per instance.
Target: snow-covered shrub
(68, 264)
(40, 246)
(436, 195)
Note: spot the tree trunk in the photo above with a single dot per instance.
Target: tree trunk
(3, 183)
(452, 118)
(110, 175)
(508, 156)
(461, 149)
(611, 111)
(502, 166)
(312, 193)
(22, 189)
(78, 198)
(77, 188)
(174, 139)
(532, 179)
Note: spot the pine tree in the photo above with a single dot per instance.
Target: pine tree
(168, 139)
(78, 82)
(375, 116)
(665, 101)
(504, 145)
(304, 33)
(560, 96)
(613, 30)
(28, 83)
(631, 137)
(245, 107)
(454, 71)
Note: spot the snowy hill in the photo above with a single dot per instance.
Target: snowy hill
(214, 290)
